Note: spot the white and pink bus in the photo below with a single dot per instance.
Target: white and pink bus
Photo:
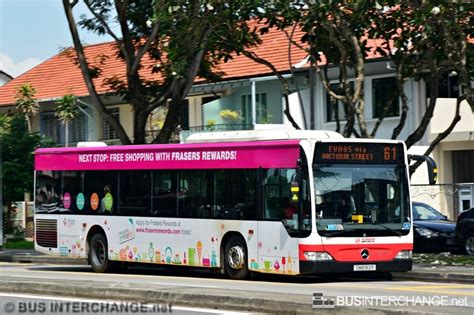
(283, 202)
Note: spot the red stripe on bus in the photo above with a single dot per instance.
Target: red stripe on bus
(352, 252)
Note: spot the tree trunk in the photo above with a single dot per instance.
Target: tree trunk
(139, 127)
(66, 125)
(442, 135)
(416, 135)
(170, 124)
(96, 101)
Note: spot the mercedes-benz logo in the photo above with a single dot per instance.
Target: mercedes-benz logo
(364, 254)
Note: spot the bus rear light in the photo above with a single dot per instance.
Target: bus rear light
(317, 256)
(404, 254)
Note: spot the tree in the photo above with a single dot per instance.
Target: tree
(18, 145)
(424, 40)
(181, 39)
(26, 102)
(67, 110)
(428, 41)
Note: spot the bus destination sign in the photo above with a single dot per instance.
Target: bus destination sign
(359, 153)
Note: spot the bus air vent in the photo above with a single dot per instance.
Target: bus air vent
(47, 233)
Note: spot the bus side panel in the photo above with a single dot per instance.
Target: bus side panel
(277, 251)
(72, 236)
(189, 242)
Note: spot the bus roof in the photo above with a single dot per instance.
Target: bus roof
(262, 135)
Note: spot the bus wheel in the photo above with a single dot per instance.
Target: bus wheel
(236, 258)
(98, 253)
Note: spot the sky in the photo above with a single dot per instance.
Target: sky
(32, 31)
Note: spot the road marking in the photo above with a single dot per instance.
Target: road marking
(150, 305)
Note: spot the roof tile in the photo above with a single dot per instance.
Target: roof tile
(59, 75)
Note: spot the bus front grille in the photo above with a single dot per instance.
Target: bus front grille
(47, 233)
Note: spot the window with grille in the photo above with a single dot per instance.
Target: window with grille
(51, 126)
(108, 133)
(77, 129)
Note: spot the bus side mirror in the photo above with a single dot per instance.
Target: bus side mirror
(432, 168)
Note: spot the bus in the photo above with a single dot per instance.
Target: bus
(280, 202)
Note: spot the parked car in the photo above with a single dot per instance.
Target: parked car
(433, 232)
(465, 231)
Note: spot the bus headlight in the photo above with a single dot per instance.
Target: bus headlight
(426, 232)
(404, 254)
(317, 256)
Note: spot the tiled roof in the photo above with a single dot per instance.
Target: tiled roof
(59, 75)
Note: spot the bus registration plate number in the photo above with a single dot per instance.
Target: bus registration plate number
(365, 267)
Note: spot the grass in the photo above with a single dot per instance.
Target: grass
(444, 259)
(18, 244)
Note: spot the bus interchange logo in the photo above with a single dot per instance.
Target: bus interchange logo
(321, 302)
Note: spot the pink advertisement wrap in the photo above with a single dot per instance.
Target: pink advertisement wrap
(268, 154)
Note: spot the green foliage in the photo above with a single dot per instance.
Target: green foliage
(19, 244)
(427, 35)
(443, 259)
(210, 125)
(18, 146)
(421, 39)
(26, 103)
(66, 109)
(25, 100)
(230, 116)
(183, 39)
(4, 123)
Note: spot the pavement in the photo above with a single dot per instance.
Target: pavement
(271, 302)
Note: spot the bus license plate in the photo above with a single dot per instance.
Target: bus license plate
(365, 267)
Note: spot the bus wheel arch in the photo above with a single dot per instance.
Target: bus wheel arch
(97, 249)
(234, 256)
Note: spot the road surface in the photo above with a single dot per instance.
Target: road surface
(367, 293)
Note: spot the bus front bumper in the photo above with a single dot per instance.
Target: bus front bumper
(318, 267)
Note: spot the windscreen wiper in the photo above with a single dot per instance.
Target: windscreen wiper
(387, 228)
(337, 232)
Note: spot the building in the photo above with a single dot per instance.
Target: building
(4, 77)
(250, 97)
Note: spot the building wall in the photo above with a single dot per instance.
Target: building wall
(388, 124)
(446, 195)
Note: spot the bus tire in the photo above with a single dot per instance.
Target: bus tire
(98, 250)
(235, 258)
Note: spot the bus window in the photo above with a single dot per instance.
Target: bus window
(71, 189)
(194, 194)
(134, 193)
(277, 184)
(96, 186)
(235, 194)
(164, 194)
(48, 188)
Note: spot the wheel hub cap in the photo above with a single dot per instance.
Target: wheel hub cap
(236, 257)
